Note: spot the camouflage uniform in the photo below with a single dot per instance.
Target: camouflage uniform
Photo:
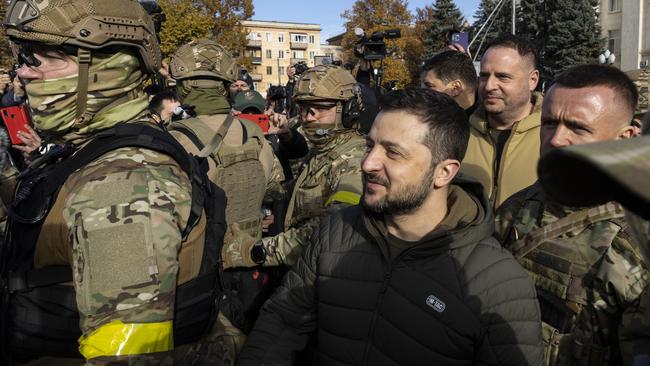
(641, 78)
(587, 272)
(117, 222)
(331, 176)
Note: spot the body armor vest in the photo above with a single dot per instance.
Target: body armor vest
(314, 184)
(237, 169)
(39, 312)
(563, 258)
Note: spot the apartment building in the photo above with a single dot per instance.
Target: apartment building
(274, 46)
(626, 27)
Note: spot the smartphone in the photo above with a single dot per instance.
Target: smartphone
(15, 119)
(261, 120)
(462, 38)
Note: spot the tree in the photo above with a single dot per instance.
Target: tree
(565, 32)
(6, 57)
(226, 23)
(381, 15)
(500, 23)
(183, 23)
(446, 17)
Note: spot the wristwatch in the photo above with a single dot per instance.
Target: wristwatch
(258, 253)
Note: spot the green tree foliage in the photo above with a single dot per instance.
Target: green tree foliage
(184, 23)
(381, 15)
(566, 33)
(446, 17)
(226, 23)
(500, 23)
(6, 57)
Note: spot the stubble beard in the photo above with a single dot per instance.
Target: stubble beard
(404, 201)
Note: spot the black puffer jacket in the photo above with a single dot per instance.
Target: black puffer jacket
(457, 299)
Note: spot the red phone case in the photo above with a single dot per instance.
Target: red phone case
(15, 119)
(261, 120)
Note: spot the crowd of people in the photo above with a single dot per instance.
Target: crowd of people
(167, 213)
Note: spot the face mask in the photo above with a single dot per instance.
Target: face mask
(111, 77)
(318, 133)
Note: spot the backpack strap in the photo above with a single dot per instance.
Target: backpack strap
(215, 144)
(535, 238)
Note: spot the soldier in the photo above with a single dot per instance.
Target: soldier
(112, 243)
(329, 102)
(582, 260)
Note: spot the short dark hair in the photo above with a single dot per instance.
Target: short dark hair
(155, 104)
(448, 124)
(590, 75)
(523, 46)
(451, 65)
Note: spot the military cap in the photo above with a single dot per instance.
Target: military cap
(592, 174)
(249, 99)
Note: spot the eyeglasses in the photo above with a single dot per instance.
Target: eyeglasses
(25, 52)
(310, 108)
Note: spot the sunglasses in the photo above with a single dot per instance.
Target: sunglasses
(25, 52)
(312, 108)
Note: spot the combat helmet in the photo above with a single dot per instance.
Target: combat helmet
(331, 83)
(203, 58)
(82, 27)
(86, 24)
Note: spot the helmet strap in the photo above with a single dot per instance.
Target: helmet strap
(84, 58)
(338, 122)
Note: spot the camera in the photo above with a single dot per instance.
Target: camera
(300, 67)
(280, 96)
(374, 47)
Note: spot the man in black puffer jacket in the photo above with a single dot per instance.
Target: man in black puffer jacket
(413, 276)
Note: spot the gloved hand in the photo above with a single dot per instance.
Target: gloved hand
(236, 251)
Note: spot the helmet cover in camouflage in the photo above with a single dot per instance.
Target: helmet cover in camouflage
(326, 82)
(89, 24)
(203, 58)
(641, 78)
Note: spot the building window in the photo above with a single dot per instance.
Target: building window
(311, 55)
(281, 37)
(281, 70)
(311, 39)
(614, 41)
(299, 38)
(614, 5)
(269, 70)
(269, 37)
(298, 54)
(280, 53)
(269, 54)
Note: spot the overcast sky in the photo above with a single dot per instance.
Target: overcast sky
(327, 13)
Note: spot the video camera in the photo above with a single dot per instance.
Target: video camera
(280, 96)
(374, 47)
(300, 67)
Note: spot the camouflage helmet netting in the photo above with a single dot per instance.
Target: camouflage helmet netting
(91, 24)
(203, 58)
(325, 82)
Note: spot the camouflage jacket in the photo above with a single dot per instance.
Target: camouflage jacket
(330, 179)
(588, 276)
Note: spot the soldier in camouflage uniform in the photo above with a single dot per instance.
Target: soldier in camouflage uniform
(583, 260)
(329, 102)
(119, 221)
(641, 78)
(244, 165)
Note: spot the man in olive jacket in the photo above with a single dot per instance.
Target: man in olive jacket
(411, 277)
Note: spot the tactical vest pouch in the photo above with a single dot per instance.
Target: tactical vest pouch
(40, 315)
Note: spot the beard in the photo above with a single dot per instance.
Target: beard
(404, 200)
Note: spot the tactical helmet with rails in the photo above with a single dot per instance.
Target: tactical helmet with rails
(203, 58)
(82, 27)
(331, 83)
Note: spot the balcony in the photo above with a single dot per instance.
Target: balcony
(299, 45)
(256, 77)
(256, 60)
(254, 43)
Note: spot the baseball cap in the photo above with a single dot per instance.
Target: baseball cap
(249, 99)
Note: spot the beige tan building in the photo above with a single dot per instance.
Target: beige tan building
(626, 27)
(274, 46)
